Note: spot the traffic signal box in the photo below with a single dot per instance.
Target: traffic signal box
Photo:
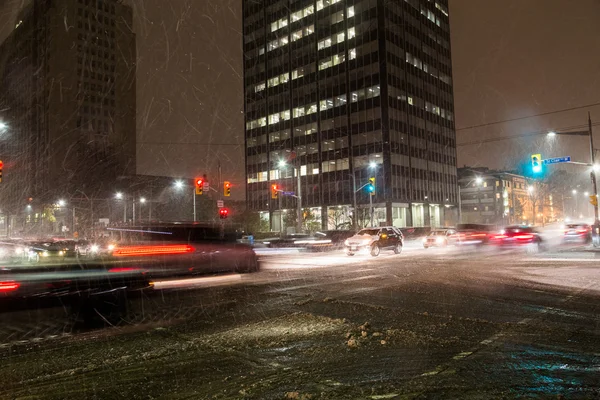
(199, 182)
(371, 186)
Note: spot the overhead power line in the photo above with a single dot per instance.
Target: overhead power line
(526, 117)
(539, 133)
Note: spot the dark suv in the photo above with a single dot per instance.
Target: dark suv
(373, 240)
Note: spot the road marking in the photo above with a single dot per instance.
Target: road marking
(334, 282)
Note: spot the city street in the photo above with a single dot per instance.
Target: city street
(451, 323)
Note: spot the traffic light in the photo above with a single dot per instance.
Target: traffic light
(1, 167)
(227, 188)
(223, 213)
(274, 191)
(371, 186)
(593, 200)
(199, 182)
(536, 163)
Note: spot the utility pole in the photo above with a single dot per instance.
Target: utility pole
(593, 173)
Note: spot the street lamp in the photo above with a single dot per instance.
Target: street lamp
(179, 185)
(119, 196)
(551, 134)
(530, 189)
(61, 203)
(595, 167)
(282, 164)
(574, 191)
(3, 126)
(479, 180)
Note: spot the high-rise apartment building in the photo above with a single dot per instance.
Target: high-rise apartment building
(67, 99)
(342, 90)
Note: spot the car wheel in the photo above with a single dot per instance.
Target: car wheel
(425, 246)
(350, 254)
(398, 248)
(533, 248)
(375, 250)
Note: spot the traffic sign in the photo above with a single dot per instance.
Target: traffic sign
(205, 185)
(557, 160)
(220, 203)
(288, 193)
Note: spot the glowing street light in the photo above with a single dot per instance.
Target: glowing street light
(178, 184)
(530, 189)
(574, 191)
(142, 200)
(119, 195)
(551, 134)
(372, 165)
(61, 203)
(586, 193)
(479, 180)
(3, 126)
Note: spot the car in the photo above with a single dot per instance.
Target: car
(581, 233)
(441, 238)
(475, 234)
(518, 236)
(373, 240)
(173, 249)
(46, 251)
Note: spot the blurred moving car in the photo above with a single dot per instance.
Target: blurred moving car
(578, 233)
(373, 240)
(475, 234)
(46, 251)
(441, 238)
(13, 251)
(518, 236)
(166, 250)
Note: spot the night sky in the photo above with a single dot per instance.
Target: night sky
(511, 58)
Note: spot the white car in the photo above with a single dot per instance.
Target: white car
(373, 240)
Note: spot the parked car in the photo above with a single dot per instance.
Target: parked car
(441, 238)
(578, 233)
(373, 240)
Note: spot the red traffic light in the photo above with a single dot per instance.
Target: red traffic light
(199, 182)
(223, 213)
(1, 164)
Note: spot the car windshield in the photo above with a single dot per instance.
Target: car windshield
(437, 233)
(299, 199)
(369, 232)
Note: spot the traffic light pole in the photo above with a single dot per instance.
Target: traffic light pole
(194, 194)
(299, 202)
(371, 207)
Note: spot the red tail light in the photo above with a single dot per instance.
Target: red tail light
(123, 269)
(152, 250)
(582, 230)
(8, 286)
(499, 236)
(524, 237)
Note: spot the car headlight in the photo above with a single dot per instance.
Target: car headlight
(19, 250)
(346, 242)
(45, 254)
(94, 248)
(61, 253)
(111, 247)
(440, 240)
(424, 239)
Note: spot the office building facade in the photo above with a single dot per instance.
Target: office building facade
(67, 99)
(339, 91)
